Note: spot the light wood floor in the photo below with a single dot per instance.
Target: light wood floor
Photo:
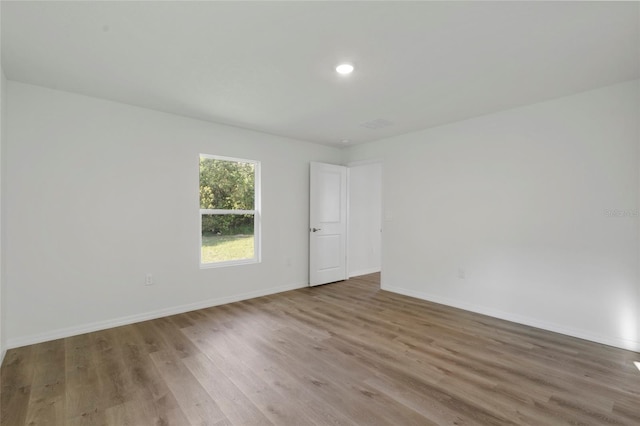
(345, 353)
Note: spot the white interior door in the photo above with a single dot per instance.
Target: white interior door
(327, 224)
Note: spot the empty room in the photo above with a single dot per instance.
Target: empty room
(319, 213)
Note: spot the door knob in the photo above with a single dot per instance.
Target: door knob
(316, 229)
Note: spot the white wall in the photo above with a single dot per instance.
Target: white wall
(365, 203)
(101, 193)
(3, 127)
(520, 203)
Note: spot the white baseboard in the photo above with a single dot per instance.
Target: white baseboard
(556, 328)
(131, 319)
(363, 272)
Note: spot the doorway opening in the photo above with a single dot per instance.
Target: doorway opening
(345, 221)
(364, 236)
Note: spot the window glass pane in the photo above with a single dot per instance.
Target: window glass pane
(228, 185)
(227, 237)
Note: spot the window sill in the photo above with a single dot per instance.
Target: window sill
(228, 263)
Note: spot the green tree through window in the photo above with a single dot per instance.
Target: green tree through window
(228, 210)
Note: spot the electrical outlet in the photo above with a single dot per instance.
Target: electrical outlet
(148, 279)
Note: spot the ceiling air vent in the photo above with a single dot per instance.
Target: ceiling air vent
(378, 123)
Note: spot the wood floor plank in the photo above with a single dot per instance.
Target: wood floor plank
(348, 377)
(194, 401)
(47, 403)
(233, 403)
(341, 354)
(114, 384)
(274, 399)
(346, 392)
(16, 377)
(81, 379)
(162, 411)
(144, 377)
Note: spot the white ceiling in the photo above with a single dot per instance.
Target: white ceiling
(269, 66)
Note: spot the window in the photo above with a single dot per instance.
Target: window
(229, 211)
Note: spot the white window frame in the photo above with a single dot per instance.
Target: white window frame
(257, 257)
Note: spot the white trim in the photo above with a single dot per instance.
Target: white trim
(226, 211)
(257, 216)
(131, 319)
(363, 272)
(233, 159)
(556, 328)
(225, 263)
(348, 227)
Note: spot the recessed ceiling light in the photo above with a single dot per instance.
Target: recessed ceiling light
(344, 69)
(345, 141)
